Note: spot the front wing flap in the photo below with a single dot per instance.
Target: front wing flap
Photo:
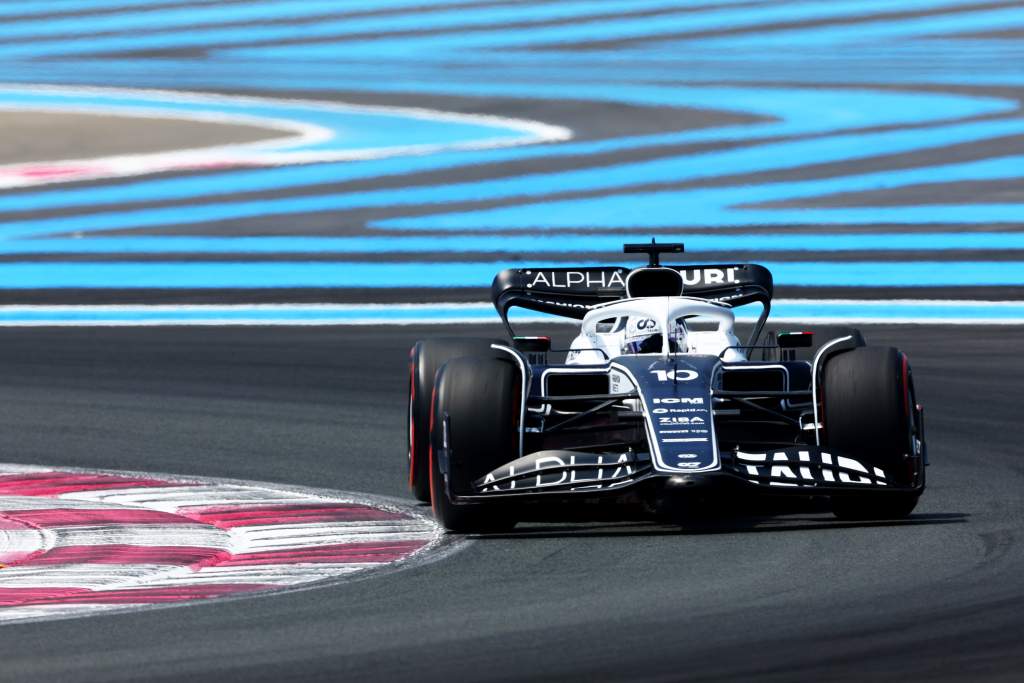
(565, 471)
(803, 470)
(804, 467)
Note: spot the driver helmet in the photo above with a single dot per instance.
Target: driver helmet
(643, 335)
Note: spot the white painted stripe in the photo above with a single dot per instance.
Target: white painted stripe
(19, 542)
(268, 538)
(466, 305)
(277, 574)
(164, 315)
(15, 503)
(24, 469)
(870, 320)
(116, 308)
(536, 129)
(38, 612)
(903, 302)
(200, 535)
(260, 153)
(171, 498)
(92, 576)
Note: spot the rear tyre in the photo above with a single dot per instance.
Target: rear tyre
(474, 416)
(870, 413)
(425, 359)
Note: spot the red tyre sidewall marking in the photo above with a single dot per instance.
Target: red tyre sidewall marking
(905, 386)
(430, 462)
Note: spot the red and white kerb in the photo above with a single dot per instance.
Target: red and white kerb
(74, 542)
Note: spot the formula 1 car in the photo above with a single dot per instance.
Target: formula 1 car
(658, 400)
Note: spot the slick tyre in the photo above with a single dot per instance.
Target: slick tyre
(870, 413)
(425, 359)
(473, 431)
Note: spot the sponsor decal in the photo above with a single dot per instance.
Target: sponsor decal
(619, 383)
(576, 471)
(567, 280)
(675, 375)
(694, 401)
(676, 411)
(563, 304)
(708, 276)
(808, 468)
(572, 279)
(575, 278)
(679, 420)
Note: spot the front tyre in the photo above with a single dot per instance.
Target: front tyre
(474, 420)
(869, 412)
(425, 358)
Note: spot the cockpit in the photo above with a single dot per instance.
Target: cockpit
(656, 325)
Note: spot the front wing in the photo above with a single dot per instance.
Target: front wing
(802, 470)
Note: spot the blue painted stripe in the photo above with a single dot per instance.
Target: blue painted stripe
(802, 115)
(205, 31)
(351, 129)
(517, 244)
(168, 18)
(29, 7)
(871, 31)
(646, 73)
(619, 210)
(174, 275)
(897, 311)
(731, 206)
(214, 313)
(441, 46)
(668, 210)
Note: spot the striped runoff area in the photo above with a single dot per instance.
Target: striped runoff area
(424, 144)
(75, 542)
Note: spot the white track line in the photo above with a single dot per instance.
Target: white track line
(230, 109)
(160, 315)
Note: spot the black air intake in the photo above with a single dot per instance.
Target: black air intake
(654, 282)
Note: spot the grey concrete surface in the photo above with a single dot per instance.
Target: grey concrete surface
(797, 597)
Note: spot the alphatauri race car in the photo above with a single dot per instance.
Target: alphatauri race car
(658, 401)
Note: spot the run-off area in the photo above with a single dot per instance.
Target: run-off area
(74, 542)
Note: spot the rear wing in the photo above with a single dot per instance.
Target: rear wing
(573, 292)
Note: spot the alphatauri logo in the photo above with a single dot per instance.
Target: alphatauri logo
(568, 279)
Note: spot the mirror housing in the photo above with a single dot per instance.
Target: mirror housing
(532, 344)
(795, 340)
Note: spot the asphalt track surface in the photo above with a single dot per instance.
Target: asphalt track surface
(800, 596)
